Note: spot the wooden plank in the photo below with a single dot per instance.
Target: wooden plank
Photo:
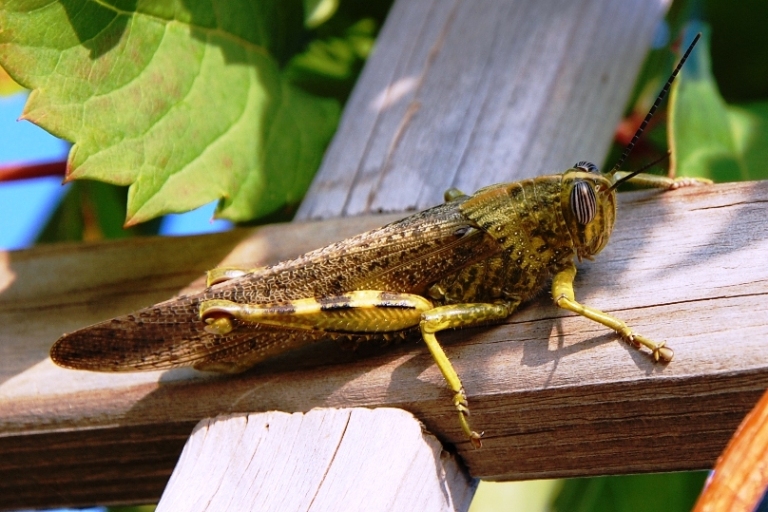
(316, 461)
(555, 394)
(465, 94)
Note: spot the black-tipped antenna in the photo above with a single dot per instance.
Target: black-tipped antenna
(635, 173)
(656, 103)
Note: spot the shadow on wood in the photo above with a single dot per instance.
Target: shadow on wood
(556, 394)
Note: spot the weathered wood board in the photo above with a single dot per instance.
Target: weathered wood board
(324, 460)
(468, 93)
(556, 395)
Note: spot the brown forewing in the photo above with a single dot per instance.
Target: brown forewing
(405, 256)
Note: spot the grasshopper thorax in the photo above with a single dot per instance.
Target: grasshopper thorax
(589, 207)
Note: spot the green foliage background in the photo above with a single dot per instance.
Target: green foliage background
(722, 136)
(185, 102)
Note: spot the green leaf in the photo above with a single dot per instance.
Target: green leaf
(749, 126)
(186, 102)
(739, 47)
(708, 137)
(7, 85)
(132, 508)
(671, 492)
(319, 11)
(92, 210)
(330, 65)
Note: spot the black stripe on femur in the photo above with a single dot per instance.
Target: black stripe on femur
(280, 309)
(335, 302)
(583, 202)
(393, 300)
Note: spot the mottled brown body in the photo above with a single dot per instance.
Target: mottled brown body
(500, 245)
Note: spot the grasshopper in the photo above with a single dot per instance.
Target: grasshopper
(468, 262)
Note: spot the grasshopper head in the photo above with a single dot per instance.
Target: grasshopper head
(589, 207)
(589, 196)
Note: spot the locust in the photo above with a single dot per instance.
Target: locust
(468, 262)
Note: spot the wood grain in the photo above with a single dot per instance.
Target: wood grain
(316, 461)
(466, 94)
(556, 395)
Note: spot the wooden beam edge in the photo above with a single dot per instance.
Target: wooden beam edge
(376, 459)
(537, 406)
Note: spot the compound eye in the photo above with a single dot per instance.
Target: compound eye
(587, 167)
(583, 202)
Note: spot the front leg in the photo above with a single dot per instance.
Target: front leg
(562, 293)
(656, 181)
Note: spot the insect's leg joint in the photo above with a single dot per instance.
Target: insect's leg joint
(452, 194)
(563, 295)
(222, 274)
(217, 318)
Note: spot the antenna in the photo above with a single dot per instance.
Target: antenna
(655, 106)
(635, 173)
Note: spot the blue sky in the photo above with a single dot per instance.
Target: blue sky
(26, 205)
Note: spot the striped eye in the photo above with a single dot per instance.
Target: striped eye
(583, 202)
(587, 167)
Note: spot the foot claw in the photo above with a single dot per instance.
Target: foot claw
(663, 354)
(460, 402)
(660, 352)
(475, 439)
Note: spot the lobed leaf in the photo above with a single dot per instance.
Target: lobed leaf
(7, 86)
(185, 102)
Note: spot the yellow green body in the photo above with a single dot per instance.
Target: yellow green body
(470, 261)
